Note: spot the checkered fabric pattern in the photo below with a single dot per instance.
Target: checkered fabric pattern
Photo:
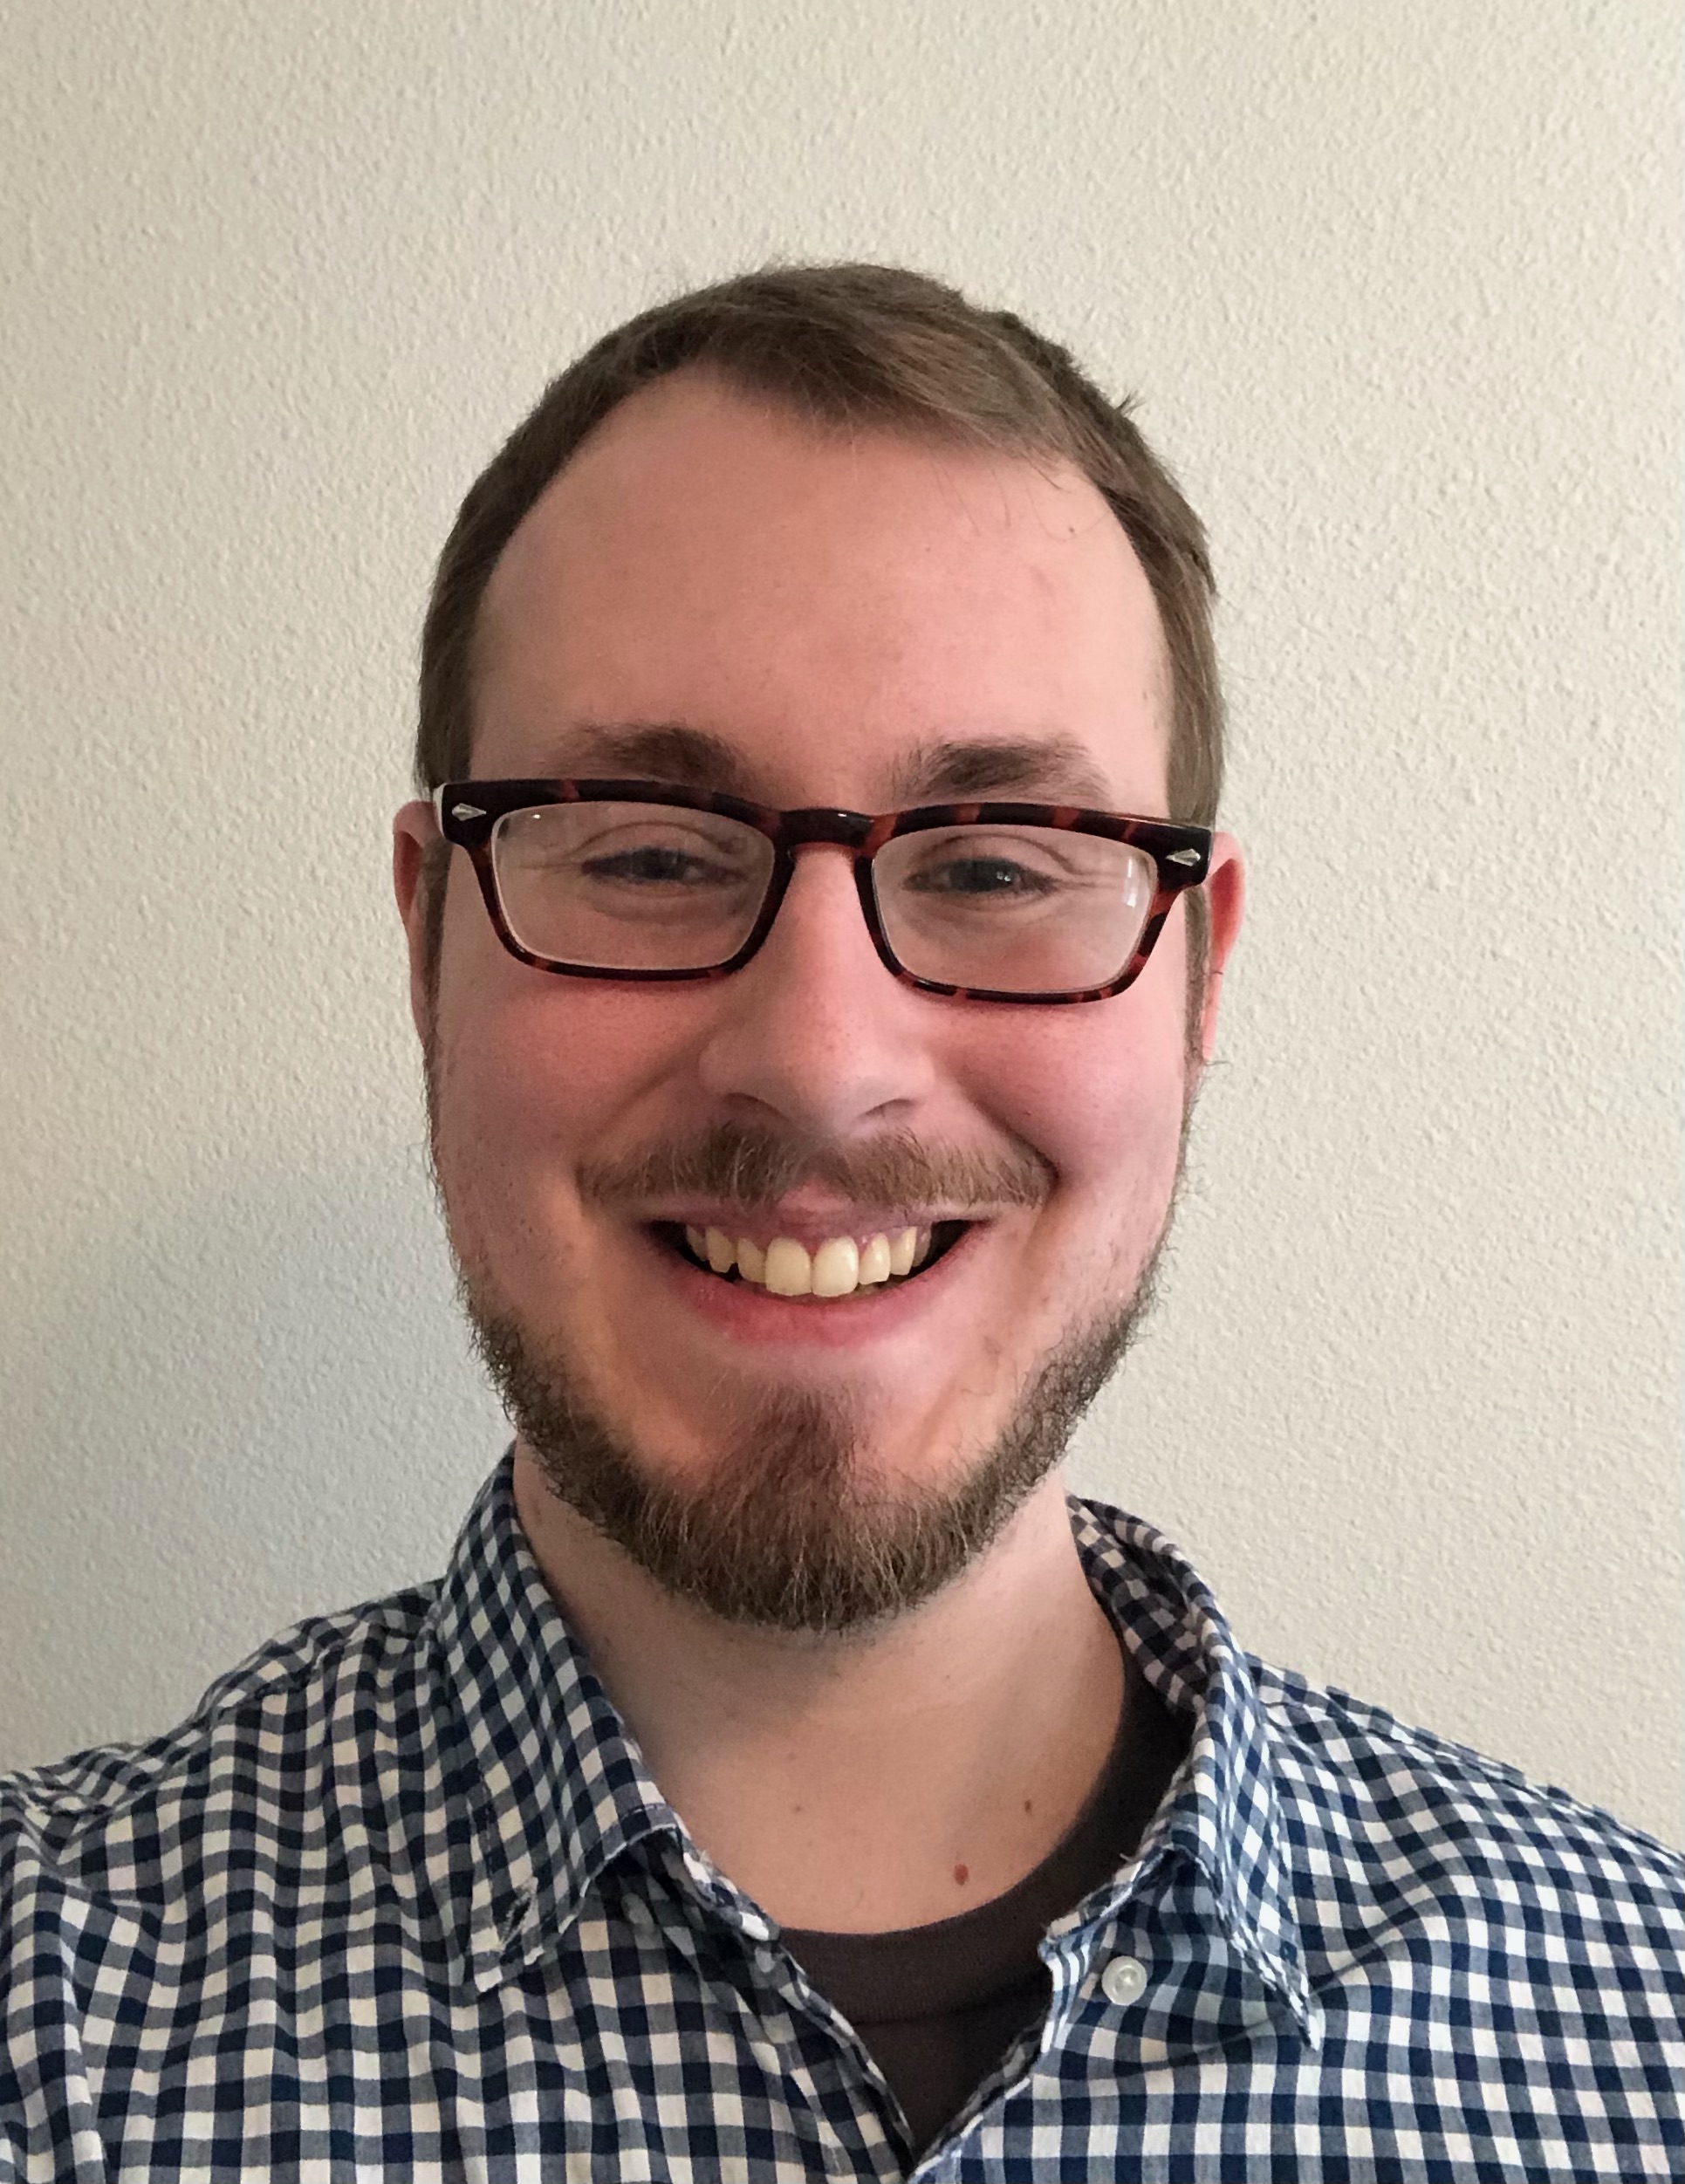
(400, 1901)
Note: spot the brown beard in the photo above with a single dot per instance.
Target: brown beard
(788, 1533)
(792, 1531)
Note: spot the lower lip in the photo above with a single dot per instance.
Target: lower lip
(748, 1313)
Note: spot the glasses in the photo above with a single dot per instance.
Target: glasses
(638, 879)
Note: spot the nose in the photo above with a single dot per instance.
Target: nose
(815, 1031)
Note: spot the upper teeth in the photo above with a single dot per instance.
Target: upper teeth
(836, 1268)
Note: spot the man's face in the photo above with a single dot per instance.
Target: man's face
(713, 591)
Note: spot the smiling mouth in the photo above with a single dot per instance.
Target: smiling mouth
(839, 1267)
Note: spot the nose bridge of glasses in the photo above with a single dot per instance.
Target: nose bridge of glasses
(856, 835)
(817, 825)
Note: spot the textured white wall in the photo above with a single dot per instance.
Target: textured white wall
(1399, 289)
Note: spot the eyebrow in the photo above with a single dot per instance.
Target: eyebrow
(1053, 769)
(655, 750)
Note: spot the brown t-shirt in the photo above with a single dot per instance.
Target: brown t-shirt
(939, 2005)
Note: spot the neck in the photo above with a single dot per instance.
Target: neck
(861, 1784)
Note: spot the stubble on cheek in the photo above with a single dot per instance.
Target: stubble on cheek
(499, 1182)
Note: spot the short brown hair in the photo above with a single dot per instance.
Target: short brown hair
(846, 346)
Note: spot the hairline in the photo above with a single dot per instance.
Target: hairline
(914, 428)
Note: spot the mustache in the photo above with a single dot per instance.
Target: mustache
(752, 1167)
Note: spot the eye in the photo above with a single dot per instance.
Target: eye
(985, 868)
(628, 849)
(657, 865)
(979, 875)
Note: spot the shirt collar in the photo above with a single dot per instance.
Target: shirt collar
(558, 1788)
(1223, 1813)
(553, 1778)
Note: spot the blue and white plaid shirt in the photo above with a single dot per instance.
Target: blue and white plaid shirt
(400, 1901)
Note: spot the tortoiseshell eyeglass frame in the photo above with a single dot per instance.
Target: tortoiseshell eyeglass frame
(469, 813)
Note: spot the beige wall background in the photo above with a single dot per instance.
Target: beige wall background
(1400, 292)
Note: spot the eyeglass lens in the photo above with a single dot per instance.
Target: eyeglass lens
(644, 887)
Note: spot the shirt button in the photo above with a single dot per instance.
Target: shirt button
(1124, 1981)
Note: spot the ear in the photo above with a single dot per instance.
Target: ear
(414, 829)
(1225, 897)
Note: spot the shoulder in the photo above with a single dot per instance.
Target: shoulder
(1370, 1806)
(1382, 1816)
(111, 1819)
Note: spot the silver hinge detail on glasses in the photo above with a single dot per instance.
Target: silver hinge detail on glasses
(1176, 856)
(466, 811)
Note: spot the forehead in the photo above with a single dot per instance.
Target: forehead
(834, 614)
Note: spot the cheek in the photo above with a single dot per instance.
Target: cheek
(530, 1083)
(1093, 1084)
(538, 1073)
(1100, 1092)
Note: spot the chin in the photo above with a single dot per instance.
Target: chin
(794, 1516)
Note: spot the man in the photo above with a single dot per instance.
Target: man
(816, 931)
